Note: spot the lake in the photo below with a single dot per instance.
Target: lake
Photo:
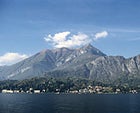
(69, 103)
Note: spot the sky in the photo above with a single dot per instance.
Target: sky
(29, 26)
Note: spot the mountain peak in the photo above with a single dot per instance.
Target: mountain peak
(91, 49)
(88, 45)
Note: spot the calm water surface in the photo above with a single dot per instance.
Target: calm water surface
(69, 103)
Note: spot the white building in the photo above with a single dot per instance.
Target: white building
(16, 91)
(7, 91)
(36, 91)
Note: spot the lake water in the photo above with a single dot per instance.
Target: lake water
(69, 103)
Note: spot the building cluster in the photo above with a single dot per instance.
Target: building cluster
(92, 89)
(89, 89)
(31, 90)
(99, 90)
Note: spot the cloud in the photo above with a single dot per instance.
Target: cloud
(59, 37)
(66, 39)
(11, 58)
(101, 35)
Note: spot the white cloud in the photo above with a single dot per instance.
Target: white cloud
(101, 35)
(59, 37)
(11, 58)
(66, 39)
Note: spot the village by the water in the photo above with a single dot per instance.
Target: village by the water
(89, 90)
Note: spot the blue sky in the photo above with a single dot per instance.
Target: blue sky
(25, 24)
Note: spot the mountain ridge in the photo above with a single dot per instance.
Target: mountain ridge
(87, 62)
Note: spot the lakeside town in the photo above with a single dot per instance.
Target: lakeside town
(66, 86)
(88, 90)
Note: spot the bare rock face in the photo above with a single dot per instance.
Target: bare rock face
(107, 68)
(87, 62)
(133, 65)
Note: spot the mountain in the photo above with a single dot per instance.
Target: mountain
(86, 62)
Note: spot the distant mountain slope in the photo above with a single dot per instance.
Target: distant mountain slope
(87, 62)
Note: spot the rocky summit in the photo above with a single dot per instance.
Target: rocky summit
(86, 62)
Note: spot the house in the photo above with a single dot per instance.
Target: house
(37, 91)
(118, 90)
(16, 91)
(74, 91)
(7, 91)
